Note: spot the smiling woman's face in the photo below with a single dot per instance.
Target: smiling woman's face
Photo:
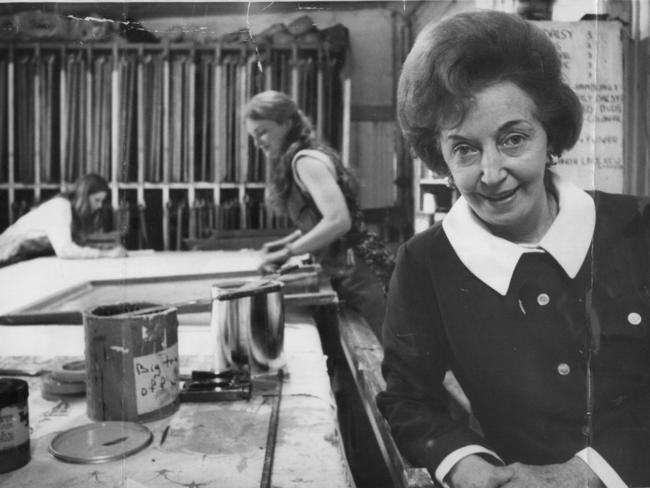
(497, 157)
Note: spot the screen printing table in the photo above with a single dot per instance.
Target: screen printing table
(207, 445)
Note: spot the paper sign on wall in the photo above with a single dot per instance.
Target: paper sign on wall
(592, 58)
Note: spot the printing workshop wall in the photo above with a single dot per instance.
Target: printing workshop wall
(369, 64)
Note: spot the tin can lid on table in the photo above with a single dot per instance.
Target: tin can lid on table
(100, 442)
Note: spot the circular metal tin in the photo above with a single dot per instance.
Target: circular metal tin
(49, 385)
(100, 442)
(70, 372)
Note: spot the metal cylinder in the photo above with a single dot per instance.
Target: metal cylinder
(248, 327)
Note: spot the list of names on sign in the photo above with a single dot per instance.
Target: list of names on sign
(592, 58)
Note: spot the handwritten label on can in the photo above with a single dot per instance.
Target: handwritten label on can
(156, 379)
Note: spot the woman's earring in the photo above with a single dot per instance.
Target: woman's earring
(450, 182)
(552, 159)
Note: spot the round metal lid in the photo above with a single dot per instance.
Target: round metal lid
(100, 442)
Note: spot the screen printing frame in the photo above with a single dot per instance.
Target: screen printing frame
(51, 309)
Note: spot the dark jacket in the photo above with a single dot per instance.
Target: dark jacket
(522, 361)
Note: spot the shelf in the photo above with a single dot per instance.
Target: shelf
(160, 122)
(166, 46)
(432, 192)
(30, 186)
(146, 185)
(185, 186)
(434, 181)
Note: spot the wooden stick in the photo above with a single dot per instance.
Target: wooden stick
(166, 120)
(179, 225)
(90, 114)
(115, 140)
(154, 106)
(294, 72)
(105, 153)
(227, 93)
(184, 118)
(160, 115)
(49, 116)
(143, 235)
(166, 149)
(140, 129)
(159, 308)
(37, 128)
(21, 102)
(11, 118)
(191, 150)
(177, 106)
(81, 129)
(217, 123)
(320, 116)
(72, 99)
(241, 126)
(129, 89)
(63, 116)
(96, 115)
(3, 110)
(42, 73)
(345, 145)
(204, 111)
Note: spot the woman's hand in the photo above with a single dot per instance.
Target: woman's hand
(475, 472)
(278, 244)
(115, 252)
(573, 474)
(272, 246)
(271, 260)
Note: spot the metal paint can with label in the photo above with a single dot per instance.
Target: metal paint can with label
(131, 362)
(14, 424)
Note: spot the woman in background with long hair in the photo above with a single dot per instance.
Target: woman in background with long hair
(311, 186)
(61, 225)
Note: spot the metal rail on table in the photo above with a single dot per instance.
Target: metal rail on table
(267, 470)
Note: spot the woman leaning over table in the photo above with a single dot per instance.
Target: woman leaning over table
(311, 186)
(60, 225)
(533, 292)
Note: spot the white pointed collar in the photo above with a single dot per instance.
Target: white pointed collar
(493, 259)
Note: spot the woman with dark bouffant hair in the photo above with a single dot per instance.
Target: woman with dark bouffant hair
(534, 293)
(61, 226)
(311, 186)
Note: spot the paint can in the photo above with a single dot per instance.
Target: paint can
(14, 424)
(131, 362)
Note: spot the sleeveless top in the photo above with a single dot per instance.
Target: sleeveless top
(338, 258)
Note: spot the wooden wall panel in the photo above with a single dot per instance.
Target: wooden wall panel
(372, 158)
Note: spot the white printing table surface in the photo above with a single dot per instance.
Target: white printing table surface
(209, 445)
(26, 282)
